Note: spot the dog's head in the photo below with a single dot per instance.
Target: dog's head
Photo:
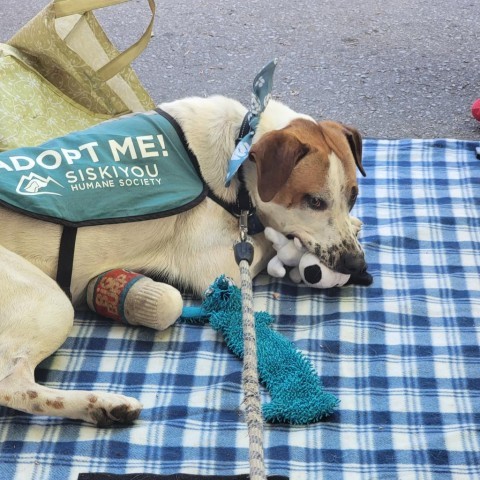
(307, 186)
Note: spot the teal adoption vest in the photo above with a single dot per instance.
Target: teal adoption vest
(136, 167)
(132, 168)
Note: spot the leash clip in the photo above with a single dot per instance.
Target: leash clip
(244, 248)
(243, 222)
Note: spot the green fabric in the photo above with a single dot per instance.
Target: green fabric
(29, 101)
(69, 51)
(126, 169)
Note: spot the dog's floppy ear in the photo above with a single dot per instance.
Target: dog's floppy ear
(355, 141)
(275, 155)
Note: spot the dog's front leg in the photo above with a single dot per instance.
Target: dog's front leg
(20, 392)
(35, 320)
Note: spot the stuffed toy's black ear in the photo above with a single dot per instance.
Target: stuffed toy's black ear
(313, 274)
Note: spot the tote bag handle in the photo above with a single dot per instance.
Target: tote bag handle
(64, 8)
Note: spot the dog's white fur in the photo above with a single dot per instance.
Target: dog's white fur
(189, 249)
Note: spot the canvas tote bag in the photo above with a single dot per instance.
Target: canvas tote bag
(69, 48)
(32, 110)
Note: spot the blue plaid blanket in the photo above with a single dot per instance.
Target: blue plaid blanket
(402, 355)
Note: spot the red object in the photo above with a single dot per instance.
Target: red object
(110, 290)
(476, 109)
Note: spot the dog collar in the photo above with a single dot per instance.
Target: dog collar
(243, 201)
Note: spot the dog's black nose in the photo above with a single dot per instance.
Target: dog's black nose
(353, 264)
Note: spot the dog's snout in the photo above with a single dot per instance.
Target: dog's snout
(351, 263)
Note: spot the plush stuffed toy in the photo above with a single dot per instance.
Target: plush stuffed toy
(289, 253)
(316, 274)
(306, 266)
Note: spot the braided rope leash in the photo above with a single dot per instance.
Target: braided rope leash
(250, 381)
(261, 93)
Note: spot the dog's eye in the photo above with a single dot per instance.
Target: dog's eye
(315, 203)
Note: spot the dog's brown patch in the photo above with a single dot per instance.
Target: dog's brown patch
(300, 169)
(37, 408)
(56, 404)
(92, 398)
(303, 168)
(32, 394)
(276, 155)
(345, 142)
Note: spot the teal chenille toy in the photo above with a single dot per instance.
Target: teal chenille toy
(297, 395)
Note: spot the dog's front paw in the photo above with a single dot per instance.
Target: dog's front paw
(105, 409)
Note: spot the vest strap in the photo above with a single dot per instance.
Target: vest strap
(65, 259)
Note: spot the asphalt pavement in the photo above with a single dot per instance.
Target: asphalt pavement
(392, 68)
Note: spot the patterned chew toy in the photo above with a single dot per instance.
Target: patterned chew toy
(134, 299)
(295, 388)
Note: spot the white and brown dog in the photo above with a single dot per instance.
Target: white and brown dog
(302, 179)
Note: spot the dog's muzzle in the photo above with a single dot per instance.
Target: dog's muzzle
(352, 264)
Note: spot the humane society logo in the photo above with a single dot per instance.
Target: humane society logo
(34, 184)
(60, 170)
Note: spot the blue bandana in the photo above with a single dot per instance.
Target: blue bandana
(262, 87)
